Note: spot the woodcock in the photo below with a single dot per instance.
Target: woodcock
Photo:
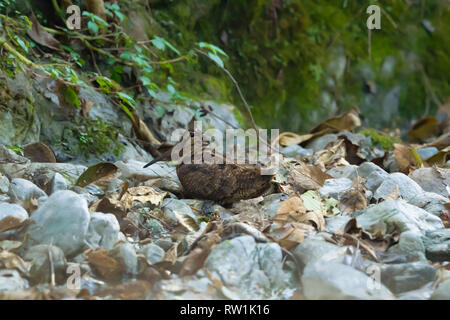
(222, 183)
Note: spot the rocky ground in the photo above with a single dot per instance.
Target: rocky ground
(337, 226)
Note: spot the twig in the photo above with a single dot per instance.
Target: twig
(237, 87)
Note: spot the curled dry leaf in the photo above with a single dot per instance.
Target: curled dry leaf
(104, 266)
(304, 177)
(423, 129)
(440, 158)
(287, 139)
(13, 223)
(39, 152)
(96, 172)
(143, 194)
(348, 121)
(9, 260)
(39, 35)
(407, 158)
(333, 155)
(354, 199)
(293, 221)
(110, 205)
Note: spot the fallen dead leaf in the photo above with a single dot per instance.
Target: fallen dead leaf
(12, 223)
(348, 121)
(104, 266)
(9, 260)
(39, 35)
(406, 158)
(423, 129)
(95, 173)
(304, 177)
(39, 152)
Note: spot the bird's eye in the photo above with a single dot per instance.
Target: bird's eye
(192, 134)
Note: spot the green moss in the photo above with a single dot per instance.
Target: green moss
(386, 142)
(91, 138)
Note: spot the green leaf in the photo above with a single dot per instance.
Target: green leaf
(216, 59)
(71, 97)
(93, 27)
(126, 99)
(127, 111)
(159, 43)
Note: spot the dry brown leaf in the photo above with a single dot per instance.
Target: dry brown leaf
(441, 142)
(440, 158)
(39, 152)
(423, 129)
(287, 139)
(348, 121)
(109, 205)
(143, 194)
(12, 223)
(333, 155)
(304, 177)
(352, 201)
(104, 266)
(405, 158)
(9, 260)
(96, 172)
(39, 35)
(194, 261)
(393, 195)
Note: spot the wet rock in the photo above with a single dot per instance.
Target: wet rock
(124, 253)
(433, 180)
(407, 276)
(103, 230)
(83, 193)
(442, 292)
(337, 281)
(407, 188)
(22, 190)
(12, 210)
(349, 172)
(41, 269)
(57, 183)
(367, 168)
(62, 220)
(409, 248)
(315, 248)
(398, 214)
(250, 270)
(437, 245)
(335, 188)
(296, 151)
(10, 280)
(152, 252)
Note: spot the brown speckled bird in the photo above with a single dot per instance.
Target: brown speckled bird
(222, 183)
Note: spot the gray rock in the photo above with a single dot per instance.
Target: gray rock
(426, 153)
(430, 202)
(165, 243)
(22, 190)
(296, 151)
(271, 204)
(173, 209)
(8, 155)
(442, 292)
(103, 230)
(124, 253)
(10, 280)
(315, 248)
(57, 183)
(336, 223)
(63, 221)
(152, 252)
(12, 210)
(407, 188)
(4, 184)
(335, 188)
(135, 170)
(398, 214)
(410, 247)
(432, 180)
(335, 281)
(251, 270)
(349, 172)
(437, 245)
(321, 142)
(41, 269)
(367, 168)
(407, 276)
